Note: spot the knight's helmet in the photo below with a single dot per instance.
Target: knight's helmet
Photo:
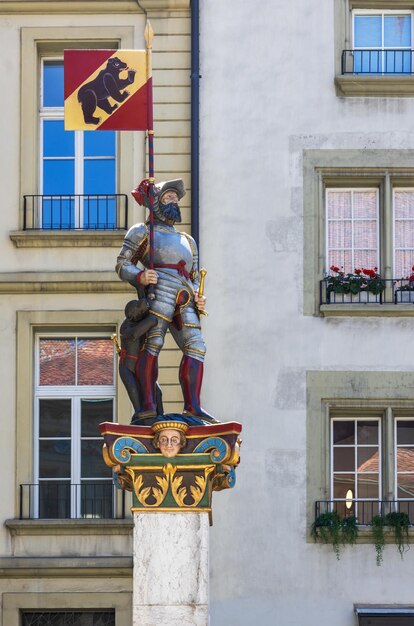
(141, 194)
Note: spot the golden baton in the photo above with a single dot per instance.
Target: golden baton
(116, 343)
(203, 273)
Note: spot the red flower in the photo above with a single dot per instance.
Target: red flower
(357, 272)
(333, 268)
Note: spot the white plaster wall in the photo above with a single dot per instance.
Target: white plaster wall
(267, 93)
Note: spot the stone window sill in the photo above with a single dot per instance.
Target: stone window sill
(67, 238)
(367, 310)
(375, 86)
(69, 526)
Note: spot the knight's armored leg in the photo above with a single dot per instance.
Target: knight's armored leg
(191, 379)
(191, 342)
(146, 371)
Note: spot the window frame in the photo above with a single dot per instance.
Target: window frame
(79, 158)
(38, 42)
(385, 169)
(381, 12)
(337, 393)
(364, 84)
(76, 393)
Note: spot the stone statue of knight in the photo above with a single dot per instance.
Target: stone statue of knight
(177, 303)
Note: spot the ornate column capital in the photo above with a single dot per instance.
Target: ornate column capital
(184, 482)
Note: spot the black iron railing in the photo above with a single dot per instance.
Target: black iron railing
(75, 212)
(389, 291)
(62, 500)
(364, 510)
(377, 61)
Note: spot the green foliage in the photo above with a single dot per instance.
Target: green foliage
(399, 522)
(330, 528)
(378, 524)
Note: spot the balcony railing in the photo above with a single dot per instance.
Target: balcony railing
(62, 500)
(75, 212)
(395, 291)
(364, 509)
(378, 61)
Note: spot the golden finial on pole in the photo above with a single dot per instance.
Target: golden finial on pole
(149, 35)
(203, 273)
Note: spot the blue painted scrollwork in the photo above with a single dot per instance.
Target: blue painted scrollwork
(219, 448)
(122, 446)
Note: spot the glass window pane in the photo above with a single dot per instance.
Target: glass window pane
(367, 31)
(92, 464)
(99, 176)
(99, 143)
(95, 362)
(339, 234)
(404, 204)
(365, 234)
(342, 484)
(344, 432)
(368, 459)
(58, 212)
(366, 511)
(57, 142)
(397, 30)
(344, 459)
(405, 485)
(365, 204)
(54, 418)
(54, 458)
(404, 234)
(341, 258)
(53, 84)
(97, 499)
(339, 204)
(54, 499)
(367, 432)
(57, 361)
(58, 177)
(405, 459)
(367, 485)
(404, 260)
(405, 431)
(93, 413)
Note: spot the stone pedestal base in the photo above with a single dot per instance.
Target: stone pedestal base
(170, 569)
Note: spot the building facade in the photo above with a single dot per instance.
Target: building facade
(307, 163)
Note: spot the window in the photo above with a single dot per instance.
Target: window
(360, 442)
(359, 214)
(78, 169)
(72, 618)
(382, 43)
(374, 40)
(385, 616)
(99, 212)
(74, 393)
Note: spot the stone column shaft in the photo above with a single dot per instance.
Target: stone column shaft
(170, 569)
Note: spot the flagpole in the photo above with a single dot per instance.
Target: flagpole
(149, 35)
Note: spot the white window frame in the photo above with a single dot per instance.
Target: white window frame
(396, 446)
(57, 113)
(355, 419)
(382, 13)
(76, 394)
(394, 190)
(331, 189)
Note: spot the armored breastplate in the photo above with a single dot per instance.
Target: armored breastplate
(170, 247)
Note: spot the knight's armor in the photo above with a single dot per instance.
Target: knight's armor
(176, 263)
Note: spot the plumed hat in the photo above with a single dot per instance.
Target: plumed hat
(140, 192)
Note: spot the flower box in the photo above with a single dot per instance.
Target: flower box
(353, 298)
(404, 296)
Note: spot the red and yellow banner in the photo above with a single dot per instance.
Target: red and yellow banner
(107, 90)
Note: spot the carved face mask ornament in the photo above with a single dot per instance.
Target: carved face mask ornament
(169, 437)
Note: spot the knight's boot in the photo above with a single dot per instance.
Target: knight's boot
(146, 373)
(191, 379)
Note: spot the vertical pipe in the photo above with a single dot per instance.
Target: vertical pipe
(195, 118)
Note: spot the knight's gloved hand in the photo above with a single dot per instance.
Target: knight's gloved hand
(153, 196)
(131, 76)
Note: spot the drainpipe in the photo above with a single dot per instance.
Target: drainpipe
(195, 118)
